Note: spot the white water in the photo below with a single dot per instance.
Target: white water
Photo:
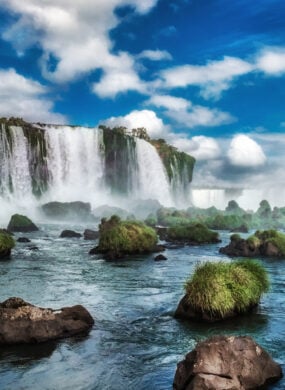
(76, 163)
(153, 182)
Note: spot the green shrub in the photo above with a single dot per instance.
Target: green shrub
(6, 243)
(125, 237)
(220, 288)
(197, 233)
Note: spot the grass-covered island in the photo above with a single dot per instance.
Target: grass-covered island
(119, 238)
(269, 243)
(7, 243)
(217, 291)
(193, 234)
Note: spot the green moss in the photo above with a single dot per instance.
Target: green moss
(21, 223)
(220, 288)
(235, 237)
(6, 243)
(125, 237)
(196, 233)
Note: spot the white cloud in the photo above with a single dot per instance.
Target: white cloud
(201, 147)
(144, 118)
(184, 112)
(75, 35)
(213, 78)
(245, 152)
(271, 61)
(25, 98)
(155, 55)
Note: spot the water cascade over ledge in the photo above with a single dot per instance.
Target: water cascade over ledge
(42, 163)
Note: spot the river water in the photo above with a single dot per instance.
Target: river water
(135, 343)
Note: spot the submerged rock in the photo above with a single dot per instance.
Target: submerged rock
(90, 234)
(160, 257)
(21, 223)
(226, 363)
(23, 239)
(21, 322)
(69, 234)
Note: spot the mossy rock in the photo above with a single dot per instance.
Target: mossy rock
(221, 290)
(7, 243)
(268, 243)
(192, 234)
(21, 223)
(119, 238)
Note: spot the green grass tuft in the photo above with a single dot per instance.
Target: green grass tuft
(6, 242)
(220, 288)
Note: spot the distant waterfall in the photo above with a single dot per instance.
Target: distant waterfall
(153, 182)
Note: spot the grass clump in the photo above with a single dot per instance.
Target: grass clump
(193, 233)
(6, 243)
(125, 237)
(222, 288)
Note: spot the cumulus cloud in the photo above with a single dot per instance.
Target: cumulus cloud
(201, 147)
(271, 61)
(213, 78)
(144, 118)
(75, 37)
(184, 112)
(23, 97)
(245, 152)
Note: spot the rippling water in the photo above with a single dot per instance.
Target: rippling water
(135, 342)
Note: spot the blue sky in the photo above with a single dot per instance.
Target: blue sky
(207, 75)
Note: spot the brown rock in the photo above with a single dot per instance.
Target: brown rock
(21, 322)
(226, 363)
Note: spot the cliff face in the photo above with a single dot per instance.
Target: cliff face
(36, 157)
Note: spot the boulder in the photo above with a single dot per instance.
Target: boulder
(226, 363)
(240, 229)
(90, 234)
(68, 211)
(69, 234)
(21, 223)
(22, 322)
(160, 257)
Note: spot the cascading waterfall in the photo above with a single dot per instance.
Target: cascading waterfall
(42, 163)
(153, 182)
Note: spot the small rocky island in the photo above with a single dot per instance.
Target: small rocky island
(226, 362)
(22, 322)
(221, 290)
(21, 223)
(269, 243)
(118, 238)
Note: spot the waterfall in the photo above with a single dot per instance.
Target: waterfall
(75, 162)
(153, 182)
(43, 163)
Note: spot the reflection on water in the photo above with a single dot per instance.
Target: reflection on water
(136, 342)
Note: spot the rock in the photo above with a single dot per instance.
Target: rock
(23, 239)
(7, 243)
(21, 223)
(70, 234)
(226, 363)
(192, 234)
(160, 257)
(94, 251)
(240, 229)
(161, 232)
(159, 248)
(33, 248)
(90, 234)
(107, 211)
(68, 211)
(21, 322)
